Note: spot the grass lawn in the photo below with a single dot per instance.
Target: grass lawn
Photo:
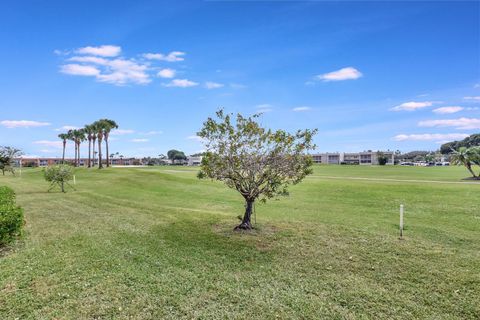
(156, 243)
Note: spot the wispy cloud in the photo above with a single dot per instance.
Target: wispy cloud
(301, 109)
(48, 143)
(264, 108)
(237, 86)
(348, 73)
(195, 137)
(119, 132)
(412, 106)
(475, 98)
(103, 51)
(447, 110)
(151, 133)
(23, 124)
(460, 123)
(79, 70)
(171, 57)
(181, 83)
(139, 140)
(66, 128)
(439, 137)
(213, 85)
(166, 73)
(105, 64)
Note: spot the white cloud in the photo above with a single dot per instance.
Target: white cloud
(23, 124)
(48, 143)
(48, 151)
(171, 57)
(122, 71)
(181, 83)
(66, 128)
(103, 51)
(301, 109)
(348, 73)
(118, 132)
(460, 123)
(139, 140)
(237, 86)
(412, 106)
(447, 110)
(440, 137)
(476, 85)
(264, 108)
(477, 98)
(79, 70)
(166, 73)
(213, 85)
(117, 71)
(152, 133)
(195, 137)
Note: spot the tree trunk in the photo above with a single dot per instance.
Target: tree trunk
(89, 151)
(76, 151)
(63, 154)
(469, 167)
(62, 187)
(246, 221)
(100, 165)
(106, 149)
(93, 152)
(79, 154)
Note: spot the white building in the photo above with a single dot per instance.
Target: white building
(194, 161)
(362, 158)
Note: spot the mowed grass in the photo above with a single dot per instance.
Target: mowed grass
(157, 243)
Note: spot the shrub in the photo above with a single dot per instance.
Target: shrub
(11, 217)
(59, 175)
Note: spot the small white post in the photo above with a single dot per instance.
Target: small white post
(401, 221)
(74, 180)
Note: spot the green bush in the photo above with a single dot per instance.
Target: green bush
(59, 175)
(11, 217)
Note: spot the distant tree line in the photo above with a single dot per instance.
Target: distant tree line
(471, 141)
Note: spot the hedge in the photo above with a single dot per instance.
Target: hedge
(11, 217)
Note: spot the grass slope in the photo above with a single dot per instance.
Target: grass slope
(150, 243)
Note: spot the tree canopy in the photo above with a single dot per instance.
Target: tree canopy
(257, 162)
(176, 155)
(471, 141)
(7, 156)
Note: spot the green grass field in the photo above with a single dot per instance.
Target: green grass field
(157, 243)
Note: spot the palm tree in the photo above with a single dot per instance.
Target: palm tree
(463, 156)
(108, 126)
(71, 136)
(99, 129)
(79, 138)
(89, 131)
(64, 137)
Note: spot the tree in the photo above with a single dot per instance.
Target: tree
(58, 175)
(79, 138)
(7, 157)
(71, 136)
(99, 129)
(64, 137)
(89, 131)
(463, 157)
(176, 155)
(108, 125)
(259, 163)
(471, 141)
(382, 158)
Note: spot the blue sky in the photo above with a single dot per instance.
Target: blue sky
(368, 75)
